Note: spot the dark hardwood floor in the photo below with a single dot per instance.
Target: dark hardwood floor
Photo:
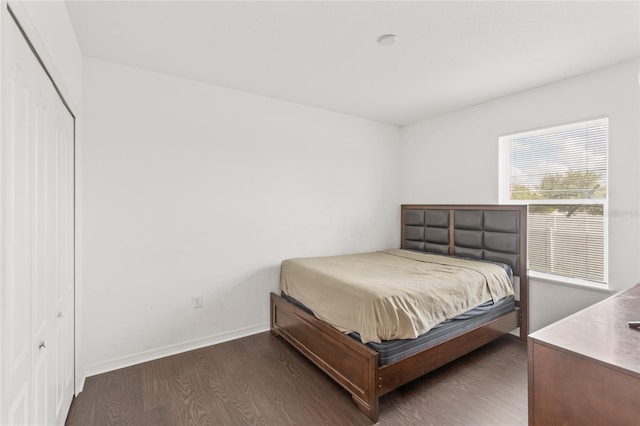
(260, 379)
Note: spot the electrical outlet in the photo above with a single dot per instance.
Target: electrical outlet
(197, 301)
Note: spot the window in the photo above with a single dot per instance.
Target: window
(561, 173)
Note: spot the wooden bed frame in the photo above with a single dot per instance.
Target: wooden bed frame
(354, 365)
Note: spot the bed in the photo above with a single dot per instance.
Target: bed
(489, 233)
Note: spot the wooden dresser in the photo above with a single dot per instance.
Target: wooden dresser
(585, 369)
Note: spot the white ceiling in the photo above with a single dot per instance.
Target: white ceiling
(450, 54)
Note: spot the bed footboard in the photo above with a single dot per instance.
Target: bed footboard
(394, 375)
(348, 362)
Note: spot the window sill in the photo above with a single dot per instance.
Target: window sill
(550, 279)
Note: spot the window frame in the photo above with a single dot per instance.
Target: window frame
(504, 194)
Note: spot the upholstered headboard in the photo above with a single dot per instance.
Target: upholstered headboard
(486, 232)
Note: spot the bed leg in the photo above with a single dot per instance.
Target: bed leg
(369, 409)
(274, 331)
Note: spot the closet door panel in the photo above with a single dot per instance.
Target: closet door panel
(65, 312)
(17, 218)
(40, 381)
(39, 295)
(40, 302)
(62, 158)
(37, 241)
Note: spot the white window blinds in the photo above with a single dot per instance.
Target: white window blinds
(561, 172)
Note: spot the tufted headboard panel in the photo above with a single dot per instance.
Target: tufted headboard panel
(426, 230)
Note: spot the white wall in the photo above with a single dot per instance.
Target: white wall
(453, 158)
(191, 189)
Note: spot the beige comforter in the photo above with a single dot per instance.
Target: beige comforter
(392, 294)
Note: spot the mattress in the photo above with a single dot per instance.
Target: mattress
(393, 350)
(392, 294)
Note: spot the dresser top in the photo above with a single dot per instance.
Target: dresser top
(600, 332)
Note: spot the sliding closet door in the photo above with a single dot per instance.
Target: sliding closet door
(36, 241)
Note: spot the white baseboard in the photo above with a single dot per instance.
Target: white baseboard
(151, 354)
(79, 384)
